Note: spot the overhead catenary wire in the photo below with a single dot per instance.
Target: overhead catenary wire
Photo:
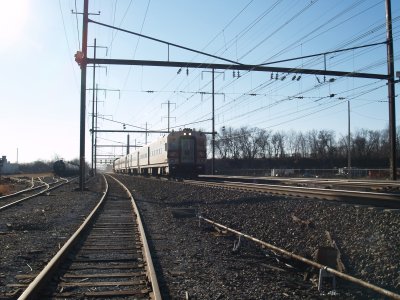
(187, 105)
(68, 46)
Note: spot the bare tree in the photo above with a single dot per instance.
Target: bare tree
(262, 139)
(278, 144)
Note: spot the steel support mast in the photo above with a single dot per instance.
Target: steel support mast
(93, 106)
(391, 92)
(83, 95)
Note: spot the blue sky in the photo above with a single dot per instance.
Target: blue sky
(40, 81)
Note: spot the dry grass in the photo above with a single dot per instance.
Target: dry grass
(6, 189)
(33, 175)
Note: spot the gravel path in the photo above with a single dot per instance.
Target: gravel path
(202, 263)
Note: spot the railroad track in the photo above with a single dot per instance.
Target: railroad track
(107, 257)
(325, 268)
(31, 188)
(354, 184)
(18, 197)
(377, 199)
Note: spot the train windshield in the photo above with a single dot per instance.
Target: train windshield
(187, 151)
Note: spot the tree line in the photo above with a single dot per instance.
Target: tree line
(323, 148)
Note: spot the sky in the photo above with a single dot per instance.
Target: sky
(40, 81)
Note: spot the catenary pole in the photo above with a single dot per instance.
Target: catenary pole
(213, 126)
(391, 91)
(83, 95)
(348, 141)
(95, 133)
(93, 100)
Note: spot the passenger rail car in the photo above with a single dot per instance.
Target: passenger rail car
(178, 154)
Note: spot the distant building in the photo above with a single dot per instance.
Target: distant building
(6, 167)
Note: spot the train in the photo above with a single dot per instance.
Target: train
(65, 169)
(180, 153)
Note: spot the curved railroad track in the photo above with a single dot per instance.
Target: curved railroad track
(376, 199)
(34, 191)
(106, 257)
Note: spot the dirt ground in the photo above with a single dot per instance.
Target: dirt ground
(9, 184)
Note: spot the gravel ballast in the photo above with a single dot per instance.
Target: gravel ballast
(32, 232)
(198, 262)
(204, 266)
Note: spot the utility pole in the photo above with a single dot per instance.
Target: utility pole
(391, 91)
(146, 131)
(213, 118)
(82, 59)
(127, 145)
(94, 117)
(169, 110)
(83, 95)
(93, 104)
(348, 141)
(213, 125)
(95, 135)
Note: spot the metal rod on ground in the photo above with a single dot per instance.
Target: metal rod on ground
(308, 262)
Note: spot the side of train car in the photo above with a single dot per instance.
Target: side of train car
(180, 153)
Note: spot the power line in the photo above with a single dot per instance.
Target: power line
(66, 39)
(77, 26)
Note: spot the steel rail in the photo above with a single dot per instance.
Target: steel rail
(149, 262)
(31, 292)
(342, 275)
(260, 179)
(386, 199)
(48, 188)
(32, 188)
